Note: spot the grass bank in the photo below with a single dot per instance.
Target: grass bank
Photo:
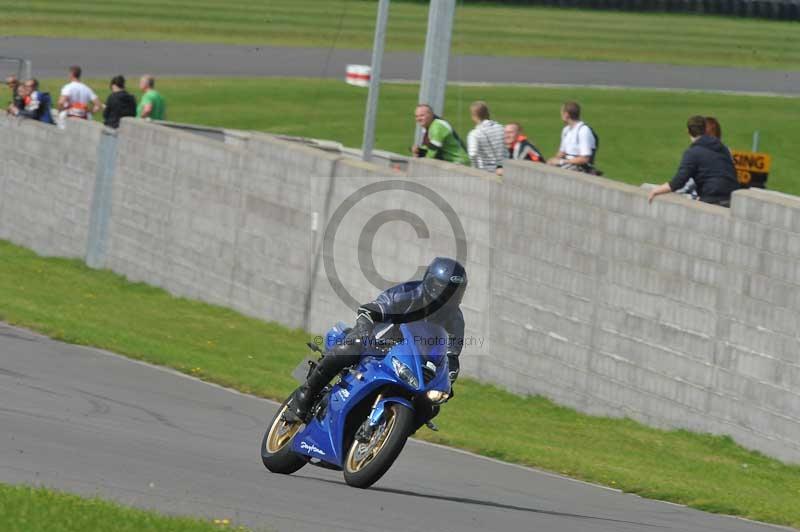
(68, 301)
(642, 133)
(480, 29)
(28, 509)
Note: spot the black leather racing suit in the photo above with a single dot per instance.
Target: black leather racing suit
(403, 303)
(406, 303)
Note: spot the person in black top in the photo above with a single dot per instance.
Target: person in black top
(709, 163)
(120, 103)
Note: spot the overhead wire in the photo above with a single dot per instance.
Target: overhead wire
(458, 69)
(323, 79)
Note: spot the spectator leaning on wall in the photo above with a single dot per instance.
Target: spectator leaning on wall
(708, 162)
(578, 142)
(713, 129)
(485, 141)
(440, 140)
(35, 104)
(20, 97)
(120, 103)
(76, 97)
(518, 146)
(12, 83)
(152, 104)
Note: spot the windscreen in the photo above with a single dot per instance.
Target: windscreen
(429, 340)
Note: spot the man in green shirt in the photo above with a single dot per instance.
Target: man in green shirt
(151, 104)
(440, 140)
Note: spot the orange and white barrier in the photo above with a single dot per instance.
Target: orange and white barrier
(358, 75)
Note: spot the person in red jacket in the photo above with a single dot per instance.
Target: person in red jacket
(518, 146)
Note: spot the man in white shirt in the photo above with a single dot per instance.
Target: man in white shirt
(485, 142)
(76, 97)
(578, 143)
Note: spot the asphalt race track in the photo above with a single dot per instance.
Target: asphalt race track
(52, 57)
(86, 421)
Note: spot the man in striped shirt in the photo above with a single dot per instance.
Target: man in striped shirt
(485, 142)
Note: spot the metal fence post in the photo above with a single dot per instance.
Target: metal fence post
(374, 80)
(100, 213)
(437, 53)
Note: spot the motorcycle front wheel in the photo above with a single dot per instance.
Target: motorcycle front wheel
(276, 446)
(367, 462)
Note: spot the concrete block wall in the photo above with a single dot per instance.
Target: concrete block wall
(471, 194)
(757, 379)
(347, 178)
(677, 314)
(47, 179)
(398, 250)
(224, 223)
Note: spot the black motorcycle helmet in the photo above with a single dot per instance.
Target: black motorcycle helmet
(445, 281)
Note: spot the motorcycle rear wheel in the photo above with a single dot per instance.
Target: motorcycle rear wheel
(276, 446)
(366, 463)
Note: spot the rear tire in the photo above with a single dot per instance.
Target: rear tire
(362, 470)
(276, 446)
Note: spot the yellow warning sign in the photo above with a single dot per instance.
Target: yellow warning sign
(752, 168)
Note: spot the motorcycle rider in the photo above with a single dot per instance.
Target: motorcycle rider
(436, 298)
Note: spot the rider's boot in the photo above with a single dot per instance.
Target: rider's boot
(303, 397)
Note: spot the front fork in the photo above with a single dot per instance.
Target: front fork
(366, 430)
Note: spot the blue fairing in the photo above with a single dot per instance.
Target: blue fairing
(324, 439)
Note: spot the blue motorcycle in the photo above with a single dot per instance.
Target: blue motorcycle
(360, 424)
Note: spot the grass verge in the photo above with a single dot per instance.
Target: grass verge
(29, 509)
(480, 29)
(642, 133)
(70, 302)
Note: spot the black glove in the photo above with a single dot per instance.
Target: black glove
(453, 366)
(362, 330)
(453, 370)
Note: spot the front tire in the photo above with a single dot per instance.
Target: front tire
(276, 446)
(366, 463)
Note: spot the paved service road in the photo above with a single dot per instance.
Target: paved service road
(86, 421)
(51, 57)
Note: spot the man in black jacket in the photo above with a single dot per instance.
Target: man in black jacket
(709, 163)
(120, 103)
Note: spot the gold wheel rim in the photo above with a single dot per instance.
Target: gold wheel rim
(281, 432)
(361, 454)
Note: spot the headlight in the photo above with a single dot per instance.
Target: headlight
(436, 396)
(405, 373)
